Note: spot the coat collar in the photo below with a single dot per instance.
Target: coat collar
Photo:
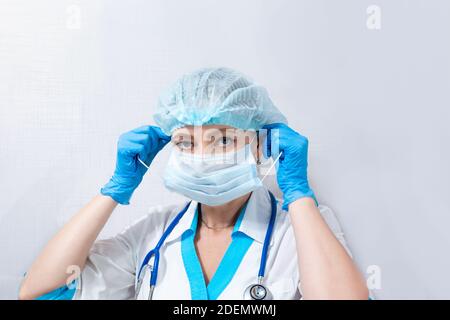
(254, 222)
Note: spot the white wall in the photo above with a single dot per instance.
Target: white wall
(374, 103)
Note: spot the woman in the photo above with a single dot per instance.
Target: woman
(231, 236)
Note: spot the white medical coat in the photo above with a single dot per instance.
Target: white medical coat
(113, 264)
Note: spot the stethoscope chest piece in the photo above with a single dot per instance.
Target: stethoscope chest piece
(257, 292)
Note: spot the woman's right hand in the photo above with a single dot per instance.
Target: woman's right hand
(72, 244)
(145, 142)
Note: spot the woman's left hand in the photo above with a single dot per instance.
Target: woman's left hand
(292, 174)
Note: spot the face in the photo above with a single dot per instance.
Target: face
(213, 139)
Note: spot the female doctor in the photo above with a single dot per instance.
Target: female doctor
(232, 239)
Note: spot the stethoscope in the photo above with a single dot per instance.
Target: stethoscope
(255, 291)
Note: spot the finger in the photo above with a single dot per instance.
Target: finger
(275, 143)
(152, 130)
(138, 137)
(147, 141)
(271, 145)
(153, 141)
(142, 129)
(160, 133)
(162, 143)
(141, 150)
(274, 125)
(131, 149)
(151, 136)
(145, 136)
(266, 144)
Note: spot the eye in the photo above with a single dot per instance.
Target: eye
(184, 145)
(225, 141)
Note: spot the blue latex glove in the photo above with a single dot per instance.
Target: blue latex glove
(145, 142)
(292, 174)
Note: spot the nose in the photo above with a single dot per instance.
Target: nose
(203, 147)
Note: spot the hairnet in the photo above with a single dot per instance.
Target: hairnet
(215, 96)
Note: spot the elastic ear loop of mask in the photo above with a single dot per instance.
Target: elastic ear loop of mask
(143, 163)
(273, 164)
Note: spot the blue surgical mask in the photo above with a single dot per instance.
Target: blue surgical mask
(212, 179)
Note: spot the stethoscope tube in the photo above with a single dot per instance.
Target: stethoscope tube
(258, 291)
(262, 266)
(155, 252)
(255, 291)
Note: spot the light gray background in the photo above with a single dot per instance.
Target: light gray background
(374, 104)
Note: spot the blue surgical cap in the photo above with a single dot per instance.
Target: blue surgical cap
(216, 96)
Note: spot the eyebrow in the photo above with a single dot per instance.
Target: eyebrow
(181, 136)
(206, 135)
(223, 131)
